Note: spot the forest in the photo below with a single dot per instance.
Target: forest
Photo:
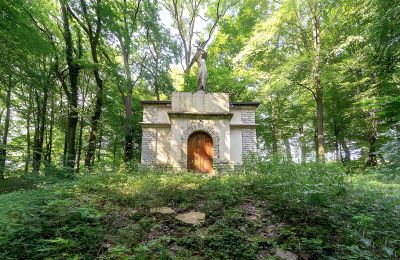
(325, 180)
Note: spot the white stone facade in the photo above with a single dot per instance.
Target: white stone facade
(167, 126)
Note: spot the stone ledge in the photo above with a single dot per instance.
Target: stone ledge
(200, 115)
(155, 125)
(247, 126)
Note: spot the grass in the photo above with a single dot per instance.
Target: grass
(315, 211)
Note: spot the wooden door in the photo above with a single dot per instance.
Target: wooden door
(200, 152)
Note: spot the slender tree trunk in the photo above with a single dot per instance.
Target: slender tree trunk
(100, 144)
(303, 146)
(28, 143)
(65, 148)
(94, 40)
(3, 148)
(114, 150)
(273, 129)
(95, 122)
(128, 129)
(28, 134)
(49, 146)
(41, 117)
(81, 126)
(316, 144)
(128, 146)
(318, 89)
(373, 134)
(156, 88)
(72, 94)
(336, 134)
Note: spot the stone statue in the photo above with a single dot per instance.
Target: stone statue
(201, 56)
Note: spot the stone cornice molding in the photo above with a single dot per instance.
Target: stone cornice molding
(241, 126)
(200, 115)
(155, 125)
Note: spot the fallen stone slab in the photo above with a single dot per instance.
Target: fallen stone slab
(192, 218)
(286, 255)
(162, 210)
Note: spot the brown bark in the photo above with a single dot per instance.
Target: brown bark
(81, 126)
(3, 148)
(72, 94)
(273, 129)
(49, 146)
(28, 143)
(28, 134)
(100, 144)
(318, 89)
(93, 35)
(39, 129)
(127, 99)
(373, 134)
(303, 145)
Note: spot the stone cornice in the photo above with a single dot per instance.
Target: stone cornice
(200, 115)
(154, 125)
(248, 126)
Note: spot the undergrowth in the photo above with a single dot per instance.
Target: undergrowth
(313, 210)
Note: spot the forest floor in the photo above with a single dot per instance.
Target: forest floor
(307, 211)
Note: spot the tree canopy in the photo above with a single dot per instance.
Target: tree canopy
(73, 72)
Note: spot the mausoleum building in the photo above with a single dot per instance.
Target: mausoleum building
(198, 131)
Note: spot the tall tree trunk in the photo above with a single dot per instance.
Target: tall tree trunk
(128, 129)
(95, 121)
(93, 41)
(41, 124)
(100, 144)
(28, 133)
(156, 88)
(80, 142)
(65, 148)
(72, 94)
(49, 146)
(273, 129)
(373, 134)
(336, 134)
(127, 99)
(81, 126)
(3, 148)
(28, 143)
(114, 150)
(318, 89)
(303, 146)
(316, 144)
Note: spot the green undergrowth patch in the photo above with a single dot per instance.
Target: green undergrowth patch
(312, 210)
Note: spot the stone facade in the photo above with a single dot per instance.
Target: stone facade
(167, 126)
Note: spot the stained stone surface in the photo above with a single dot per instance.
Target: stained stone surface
(162, 210)
(286, 255)
(192, 218)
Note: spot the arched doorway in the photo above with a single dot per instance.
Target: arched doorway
(200, 152)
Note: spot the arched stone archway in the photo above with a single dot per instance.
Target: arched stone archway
(199, 127)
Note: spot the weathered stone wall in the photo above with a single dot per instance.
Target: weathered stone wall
(149, 139)
(156, 114)
(248, 116)
(200, 102)
(249, 142)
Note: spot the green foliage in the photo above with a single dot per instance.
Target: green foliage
(311, 209)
